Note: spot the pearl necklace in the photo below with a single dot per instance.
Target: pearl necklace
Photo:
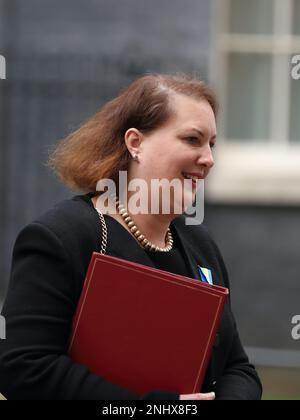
(145, 243)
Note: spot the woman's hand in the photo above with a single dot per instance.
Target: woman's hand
(203, 397)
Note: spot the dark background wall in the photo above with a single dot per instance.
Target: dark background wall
(260, 246)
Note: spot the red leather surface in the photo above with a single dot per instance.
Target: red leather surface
(143, 328)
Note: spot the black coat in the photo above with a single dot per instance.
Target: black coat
(50, 260)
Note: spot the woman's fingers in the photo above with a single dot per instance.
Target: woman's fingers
(203, 397)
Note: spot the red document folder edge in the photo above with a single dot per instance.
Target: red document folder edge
(145, 329)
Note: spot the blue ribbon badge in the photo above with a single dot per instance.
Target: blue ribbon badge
(205, 275)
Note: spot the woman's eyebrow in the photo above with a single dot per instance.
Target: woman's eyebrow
(196, 130)
(186, 130)
(200, 132)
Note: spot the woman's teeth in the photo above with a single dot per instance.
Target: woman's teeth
(193, 177)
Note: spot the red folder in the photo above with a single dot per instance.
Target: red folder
(143, 328)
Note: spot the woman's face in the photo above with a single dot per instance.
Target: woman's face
(180, 148)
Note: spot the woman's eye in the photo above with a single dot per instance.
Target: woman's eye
(195, 141)
(192, 140)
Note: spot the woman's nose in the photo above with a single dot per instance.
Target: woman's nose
(206, 159)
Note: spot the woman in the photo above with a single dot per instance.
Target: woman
(160, 127)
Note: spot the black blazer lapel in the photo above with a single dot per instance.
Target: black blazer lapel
(187, 249)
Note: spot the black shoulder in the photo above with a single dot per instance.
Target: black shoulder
(75, 222)
(201, 241)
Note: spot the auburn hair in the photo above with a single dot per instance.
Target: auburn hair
(97, 150)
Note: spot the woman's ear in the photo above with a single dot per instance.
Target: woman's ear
(133, 139)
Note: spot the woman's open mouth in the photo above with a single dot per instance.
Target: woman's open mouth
(194, 177)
